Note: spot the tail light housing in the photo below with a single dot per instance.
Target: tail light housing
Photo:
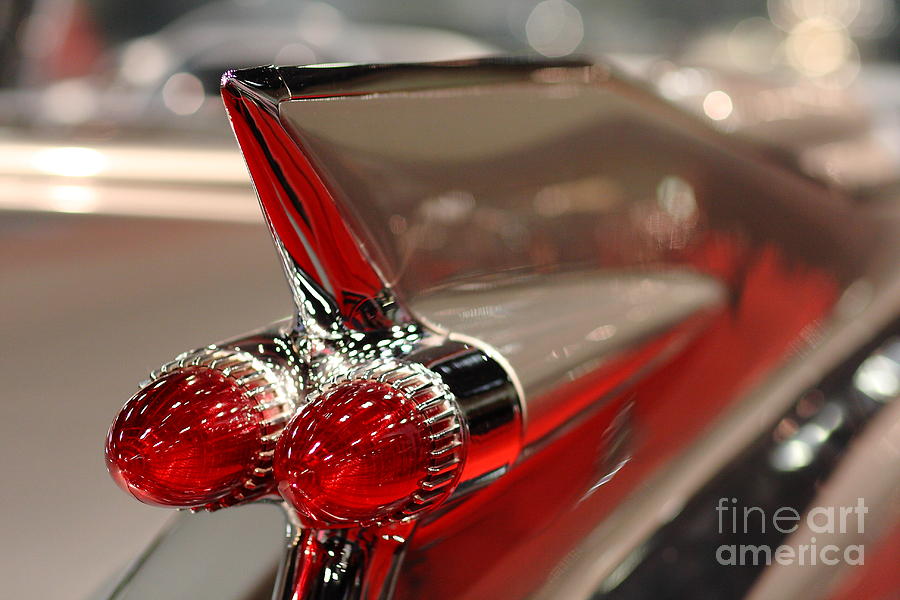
(377, 445)
(202, 432)
(372, 443)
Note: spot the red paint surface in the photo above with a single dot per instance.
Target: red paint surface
(538, 513)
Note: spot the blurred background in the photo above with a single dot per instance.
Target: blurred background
(104, 62)
(797, 75)
(129, 231)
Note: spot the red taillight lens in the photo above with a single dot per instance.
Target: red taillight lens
(366, 452)
(189, 439)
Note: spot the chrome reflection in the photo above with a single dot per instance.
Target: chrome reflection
(593, 237)
(879, 376)
(614, 450)
(561, 327)
(800, 448)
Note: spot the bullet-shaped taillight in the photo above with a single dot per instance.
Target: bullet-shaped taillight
(201, 434)
(372, 448)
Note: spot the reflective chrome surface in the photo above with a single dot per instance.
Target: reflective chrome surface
(348, 312)
(343, 563)
(563, 326)
(656, 294)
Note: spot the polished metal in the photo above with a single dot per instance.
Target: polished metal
(342, 563)
(488, 398)
(337, 271)
(348, 312)
(479, 438)
(562, 326)
(429, 186)
(620, 300)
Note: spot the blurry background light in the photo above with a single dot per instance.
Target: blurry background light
(69, 101)
(717, 105)
(753, 45)
(295, 53)
(320, 24)
(677, 83)
(792, 455)
(876, 18)
(183, 94)
(804, 444)
(69, 162)
(818, 46)
(73, 198)
(554, 28)
(144, 61)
